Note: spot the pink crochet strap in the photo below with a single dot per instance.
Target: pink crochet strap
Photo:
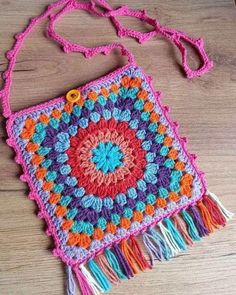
(176, 37)
(95, 8)
(73, 47)
(12, 54)
(63, 6)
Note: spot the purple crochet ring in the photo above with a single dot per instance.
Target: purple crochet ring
(105, 163)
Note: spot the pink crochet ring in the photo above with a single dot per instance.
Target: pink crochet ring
(105, 163)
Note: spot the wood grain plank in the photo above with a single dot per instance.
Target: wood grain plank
(205, 107)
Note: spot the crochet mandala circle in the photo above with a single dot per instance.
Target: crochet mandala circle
(106, 164)
(106, 158)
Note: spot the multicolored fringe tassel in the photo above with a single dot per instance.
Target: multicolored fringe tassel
(162, 242)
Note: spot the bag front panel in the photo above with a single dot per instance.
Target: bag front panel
(105, 166)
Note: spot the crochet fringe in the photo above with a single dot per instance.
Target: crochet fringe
(169, 237)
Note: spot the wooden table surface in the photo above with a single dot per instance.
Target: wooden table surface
(205, 107)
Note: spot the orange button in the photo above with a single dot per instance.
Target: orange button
(73, 95)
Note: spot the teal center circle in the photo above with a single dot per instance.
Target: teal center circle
(107, 157)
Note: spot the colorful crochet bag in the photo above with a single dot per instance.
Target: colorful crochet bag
(105, 163)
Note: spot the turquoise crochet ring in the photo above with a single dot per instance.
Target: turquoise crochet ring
(105, 163)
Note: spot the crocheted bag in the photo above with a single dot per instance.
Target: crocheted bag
(105, 163)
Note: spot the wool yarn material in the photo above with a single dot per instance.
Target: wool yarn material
(105, 163)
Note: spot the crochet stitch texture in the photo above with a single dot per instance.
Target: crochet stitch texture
(105, 162)
(107, 165)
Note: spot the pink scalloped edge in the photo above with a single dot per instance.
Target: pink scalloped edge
(183, 140)
(33, 195)
(172, 35)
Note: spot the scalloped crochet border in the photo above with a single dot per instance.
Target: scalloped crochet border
(33, 195)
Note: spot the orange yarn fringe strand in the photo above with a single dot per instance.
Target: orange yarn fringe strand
(169, 237)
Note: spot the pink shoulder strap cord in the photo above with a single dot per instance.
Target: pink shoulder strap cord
(174, 36)
(105, 163)
(69, 5)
